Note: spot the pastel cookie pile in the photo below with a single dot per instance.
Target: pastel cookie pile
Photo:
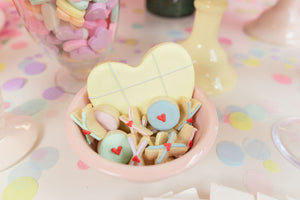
(163, 134)
(75, 30)
(141, 115)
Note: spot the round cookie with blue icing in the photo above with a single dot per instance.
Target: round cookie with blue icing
(163, 113)
(115, 147)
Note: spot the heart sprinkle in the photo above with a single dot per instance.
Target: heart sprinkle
(190, 120)
(168, 146)
(136, 159)
(130, 123)
(162, 117)
(86, 132)
(117, 151)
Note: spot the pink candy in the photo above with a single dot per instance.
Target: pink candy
(93, 25)
(72, 42)
(100, 40)
(96, 11)
(83, 53)
(36, 26)
(73, 45)
(66, 33)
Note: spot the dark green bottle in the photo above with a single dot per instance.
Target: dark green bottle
(171, 8)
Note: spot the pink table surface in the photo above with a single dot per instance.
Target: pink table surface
(268, 89)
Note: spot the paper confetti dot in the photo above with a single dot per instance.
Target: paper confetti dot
(283, 79)
(138, 11)
(288, 66)
(130, 42)
(52, 93)
(225, 41)
(14, 84)
(38, 154)
(19, 45)
(24, 188)
(2, 66)
(174, 33)
(257, 52)
(240, 121)
(232, 108)
(230, 154)
(47, 157)
(275, 57)
(256, 112)
(34, 68)
(137, 51)
(30, 107)
(252, 62)
(256, 181)
(137, 26)
(81, 165)
(189, 30)
(293, 60)
(24, 63)
(29, 169)
(257, 149)
(6, 105)
(271, 166)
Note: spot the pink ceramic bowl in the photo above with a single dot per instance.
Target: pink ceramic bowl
(206, 121)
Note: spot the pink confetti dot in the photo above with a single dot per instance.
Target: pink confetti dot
(81, 165)
(6, 105)
(19, 45)
(38, 154)
(225, 41)
(282, 79)
(256, 181)
(189, 29)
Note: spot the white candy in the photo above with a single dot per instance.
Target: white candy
(85, 33)
(51, 21)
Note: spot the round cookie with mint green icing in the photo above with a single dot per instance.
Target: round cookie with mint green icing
(115, 147)
(163, 113)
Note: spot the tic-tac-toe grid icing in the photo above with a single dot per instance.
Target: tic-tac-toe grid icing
(166, 70)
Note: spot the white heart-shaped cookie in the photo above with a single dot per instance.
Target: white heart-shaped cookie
(166, 70)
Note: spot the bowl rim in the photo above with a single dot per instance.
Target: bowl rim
(142, 173)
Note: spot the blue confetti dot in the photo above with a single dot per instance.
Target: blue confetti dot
(30, 107)
(257, 149)
(45, 157)
(256, 112)
(257, 52)
(137, 26)
(232, 108)
(230, 154)
(26, 169)
(175, 33)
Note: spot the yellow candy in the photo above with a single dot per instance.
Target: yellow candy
(65, 17)
(69, 9)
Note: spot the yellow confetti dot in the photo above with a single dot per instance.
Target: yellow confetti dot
(293, 60)
(252, 62)
(130, 42)
(24, 188)
(240, 121)
(2, 66)
(288, 66)
(138, 11)
(271, 166)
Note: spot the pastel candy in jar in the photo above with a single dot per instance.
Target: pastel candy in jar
(78, 30)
